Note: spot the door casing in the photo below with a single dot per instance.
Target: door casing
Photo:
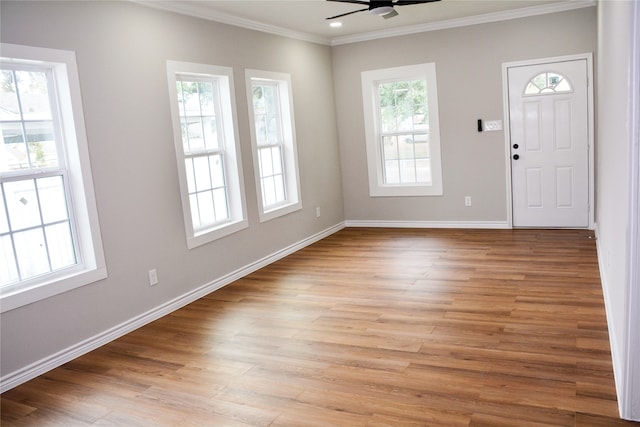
(507, 127)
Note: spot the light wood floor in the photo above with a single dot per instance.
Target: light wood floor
(369, 327)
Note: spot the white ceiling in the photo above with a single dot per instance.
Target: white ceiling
(305, 19)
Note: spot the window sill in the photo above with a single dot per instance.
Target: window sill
(216, 233)
(280, 211)
(405, 191)
(27, 295)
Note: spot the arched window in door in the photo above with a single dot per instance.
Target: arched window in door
(548, 83)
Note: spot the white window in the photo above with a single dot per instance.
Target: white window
(49, 233)
(548, 83)
(209, 167)
(274, 143)
(402, 131)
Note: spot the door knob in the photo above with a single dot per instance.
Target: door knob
(516, 156)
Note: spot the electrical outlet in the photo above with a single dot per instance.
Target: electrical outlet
(318, 212)
(467, 200)
(153, 277)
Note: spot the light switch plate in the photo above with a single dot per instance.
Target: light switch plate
(492, 125)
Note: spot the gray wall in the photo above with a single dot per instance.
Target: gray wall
(121, 51)
(468, 66)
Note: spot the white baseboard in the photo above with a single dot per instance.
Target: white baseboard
(613, 340)
(44, 365)
(428, 224)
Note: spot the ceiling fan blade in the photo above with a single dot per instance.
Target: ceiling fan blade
(366, 3)
(409, 2)
(348, 13)
(390, 14)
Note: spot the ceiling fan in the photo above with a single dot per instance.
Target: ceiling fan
(382, 8)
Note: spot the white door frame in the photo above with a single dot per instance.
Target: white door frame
(507, 125)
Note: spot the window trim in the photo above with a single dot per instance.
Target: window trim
(369, 80)
(232, 157)
(91, 265)
(293, 200)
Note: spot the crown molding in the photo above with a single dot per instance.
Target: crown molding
(467, 21)
(194, 9)
(199, 11)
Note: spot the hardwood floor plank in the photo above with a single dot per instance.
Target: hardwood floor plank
(367, 327)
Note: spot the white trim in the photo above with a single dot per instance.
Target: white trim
(78, 163)
(44, 365)
(466, 21)
(590, 125)
(236, 199)
(428, 224)
(373, 129)
(293, 193)
(630, 398)
(199, 11)
(608, 306)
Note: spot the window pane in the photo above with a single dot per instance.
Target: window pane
(195, 134)
(405, 117)
(274, 129)
(190, 98)
(391, 172)
(268, 186)
(31, 252)
(390, 147)
(266, 162)
(9, 109)
(205, 204)
(191, 182)
(22, 203)
(405, 147)
(184, 128)
(202, 173)
(14, 151)
(217, 171)
(8, 268)
(266, 110)
(407, 171)
(277, 160)
(52, 199)
(389, 119)
(278, 181)
(210, 133)
(195, 212)
(60, 245)
(34, 95)
(4, 221)
(42, 146)
(205, 90)
(261, 129)
(220, 203)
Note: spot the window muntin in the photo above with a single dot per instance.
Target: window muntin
(49, 231)
(209, 167)
(548, 83)
(404, 134)
(35, 225)
(402, 131)
(274, 145)
(270, 142)
(203, 144)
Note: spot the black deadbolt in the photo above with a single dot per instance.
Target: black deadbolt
(515, 146)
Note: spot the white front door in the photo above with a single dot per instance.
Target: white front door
(549, 129)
